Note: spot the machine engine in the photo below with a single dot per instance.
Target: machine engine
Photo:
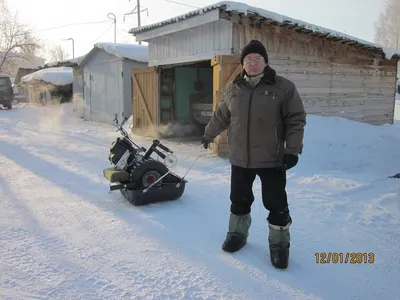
(141, 178)
(122, 154)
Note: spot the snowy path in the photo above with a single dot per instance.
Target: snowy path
(64, 236)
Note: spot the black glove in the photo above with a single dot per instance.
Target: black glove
(205, 142)
(289, 161)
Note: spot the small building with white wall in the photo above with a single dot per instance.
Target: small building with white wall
(107, 85)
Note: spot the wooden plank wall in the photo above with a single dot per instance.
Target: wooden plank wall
(361, 93)
(144, 102)
(333, 79)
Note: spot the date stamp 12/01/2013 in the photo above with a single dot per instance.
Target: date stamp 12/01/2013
(344, 257)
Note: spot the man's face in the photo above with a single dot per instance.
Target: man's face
(254, 64)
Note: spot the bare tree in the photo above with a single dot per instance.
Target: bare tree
(3, 6)
(56, 53)
(16, 39)
(387, 29)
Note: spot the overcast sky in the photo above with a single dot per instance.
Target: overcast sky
(356, 17)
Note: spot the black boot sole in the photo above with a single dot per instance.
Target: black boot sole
(279, 258)
(233, 244)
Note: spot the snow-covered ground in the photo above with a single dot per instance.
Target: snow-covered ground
(63, 235)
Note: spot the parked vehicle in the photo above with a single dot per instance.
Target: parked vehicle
(6, 91)
(201, 104)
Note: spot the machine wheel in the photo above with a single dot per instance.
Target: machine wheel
(148, 172)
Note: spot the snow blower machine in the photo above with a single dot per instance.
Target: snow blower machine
(140, 178)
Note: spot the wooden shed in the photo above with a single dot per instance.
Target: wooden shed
(336, 74)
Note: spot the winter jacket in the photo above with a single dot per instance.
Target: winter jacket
(260, 120)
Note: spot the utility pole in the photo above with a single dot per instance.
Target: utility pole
(138, 16)
(139, 10)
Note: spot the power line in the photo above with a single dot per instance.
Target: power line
(108, 28)
(180, 3)
(72, 24)
(57, 27)
(139, 10)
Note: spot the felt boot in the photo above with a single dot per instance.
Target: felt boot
(279, 244)
(238, 232)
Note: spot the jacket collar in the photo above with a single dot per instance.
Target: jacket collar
(268, 77)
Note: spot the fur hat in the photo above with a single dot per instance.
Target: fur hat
(254, 46)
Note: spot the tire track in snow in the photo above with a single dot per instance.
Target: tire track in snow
(247, 260)
(101, 264)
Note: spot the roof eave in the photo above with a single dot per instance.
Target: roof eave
(170, 26)
(199, 12)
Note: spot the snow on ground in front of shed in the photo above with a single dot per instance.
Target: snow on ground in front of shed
(65, 236)
(56, 76)
(131, 51)
(397, 108)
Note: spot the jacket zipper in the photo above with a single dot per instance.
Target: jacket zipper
(248, 129)
(276, 140)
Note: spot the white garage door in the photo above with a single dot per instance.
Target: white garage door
(105, 91)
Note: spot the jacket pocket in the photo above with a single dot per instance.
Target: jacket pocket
(268, 140)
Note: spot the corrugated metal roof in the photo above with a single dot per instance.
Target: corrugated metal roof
(281, 20)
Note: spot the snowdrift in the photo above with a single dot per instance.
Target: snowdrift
(131, 51)
(55, 76)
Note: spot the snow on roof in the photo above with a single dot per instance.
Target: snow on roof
(72, 61)
(231, 6)
(130, 51)
(56, 76)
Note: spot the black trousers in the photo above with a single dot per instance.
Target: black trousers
(273, 190)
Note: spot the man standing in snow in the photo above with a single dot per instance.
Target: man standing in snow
(265, 119)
